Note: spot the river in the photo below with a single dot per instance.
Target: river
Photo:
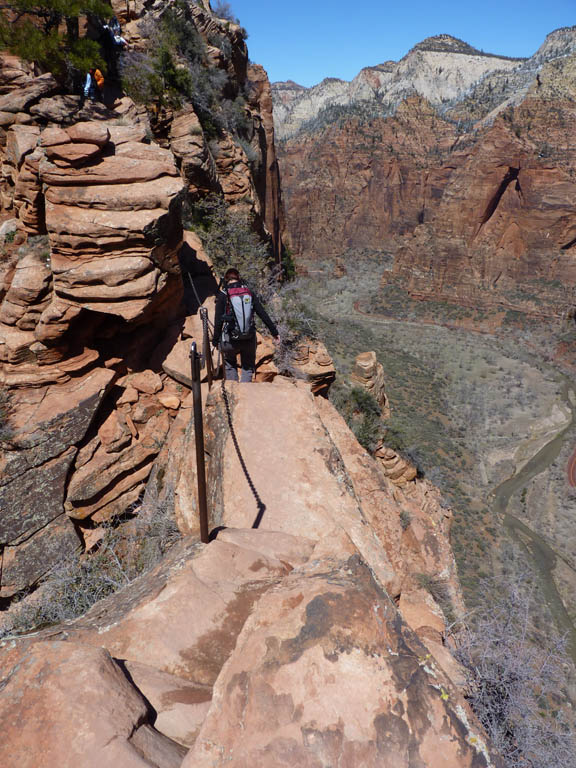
(541, 555)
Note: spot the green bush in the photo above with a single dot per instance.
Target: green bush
(36, 34)
(361, 412)
(230, 240)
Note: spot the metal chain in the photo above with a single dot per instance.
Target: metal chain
(259, 503)
(207, 359)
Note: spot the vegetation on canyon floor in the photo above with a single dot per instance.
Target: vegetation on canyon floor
(517, 672)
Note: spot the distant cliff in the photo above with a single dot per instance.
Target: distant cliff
(454, 165)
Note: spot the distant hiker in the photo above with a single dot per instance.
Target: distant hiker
(90, 88)
(114, 25)
(234, 326)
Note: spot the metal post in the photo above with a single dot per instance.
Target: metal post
(199, 435)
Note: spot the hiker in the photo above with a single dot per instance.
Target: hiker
(113, 38)
(90, 86)
(234, 326)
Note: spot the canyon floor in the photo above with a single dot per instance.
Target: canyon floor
(471, 408)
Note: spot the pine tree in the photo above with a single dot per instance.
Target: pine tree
(47, 33)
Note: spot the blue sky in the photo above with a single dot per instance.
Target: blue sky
(308, 40)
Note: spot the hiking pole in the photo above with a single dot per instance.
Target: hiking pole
(199, 435)
(206, 351)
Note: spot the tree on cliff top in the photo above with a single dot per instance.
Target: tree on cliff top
(47, 33)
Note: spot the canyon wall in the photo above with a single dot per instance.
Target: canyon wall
(463, 188)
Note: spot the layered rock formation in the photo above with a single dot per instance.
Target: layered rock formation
(369, 374)
(306, 641)
(467, 200)
(91, 289)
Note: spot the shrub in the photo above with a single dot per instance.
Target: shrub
(361, 412)
(223, 10)
(230, 240)
(77, 583)
(517, 675)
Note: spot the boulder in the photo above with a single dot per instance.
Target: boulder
(20, 99)
(325, 672)
(46, 723)
(398, 469)
(180, 705)
(147, 382)
(53, 136)
(72, 154)
(185, 617)
(57, 109)
(20, 141)
(89, 133)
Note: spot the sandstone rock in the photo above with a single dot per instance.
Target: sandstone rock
(180, 705)
(163, 479)
(396, 468)
(147, 382)
(120, 134)
(317, 367)
(40, 702)
(145, 409)
(114, 433)
(233, 172)
(129, 396)
(369, 373)
(26, 561)
(299, 686)
(8, 227)
(188, 145)
(20, 141)
(19, 100)
(110, 170)
(72, 154)
(57, 109)
(47, 426)
(321, 507)
(30, 282)
(109, 476)
(89, 133)
(189, 626)
(53, 136)
(119, 197)
(170, 401)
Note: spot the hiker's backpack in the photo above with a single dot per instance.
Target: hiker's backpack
(239, 317)
(99, 77)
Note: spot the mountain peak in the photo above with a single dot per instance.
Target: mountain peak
(449, 44)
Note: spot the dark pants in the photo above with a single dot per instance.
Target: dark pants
(247, 351)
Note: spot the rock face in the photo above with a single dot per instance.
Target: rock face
(438, 69)
(93, 310)
(466, 201)
(39, 706)
(305, 641)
